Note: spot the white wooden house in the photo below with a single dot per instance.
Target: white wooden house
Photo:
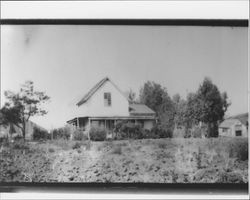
(105, 104)
(235, 126)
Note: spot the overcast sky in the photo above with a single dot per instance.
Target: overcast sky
(66, 61)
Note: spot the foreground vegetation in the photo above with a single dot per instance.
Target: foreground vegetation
(176, 160)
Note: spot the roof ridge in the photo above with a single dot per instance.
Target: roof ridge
(95, 88)
(92, 91)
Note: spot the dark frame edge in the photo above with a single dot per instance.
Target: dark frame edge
(138, 22)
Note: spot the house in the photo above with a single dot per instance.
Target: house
(105, 104)
(234, 126)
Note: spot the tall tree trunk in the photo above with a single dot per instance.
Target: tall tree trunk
(212, 129)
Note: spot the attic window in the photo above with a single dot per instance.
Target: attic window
(107, 99)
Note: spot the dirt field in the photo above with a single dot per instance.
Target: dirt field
(222, 160)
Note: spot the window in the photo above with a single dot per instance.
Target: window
(107, 99)
(238, 133)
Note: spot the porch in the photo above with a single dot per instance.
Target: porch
(109, 123)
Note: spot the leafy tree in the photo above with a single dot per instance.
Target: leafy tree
(166, 113)
(210, 106)
(192, 113)
(23, 105)
(156, 97)
(131, 95)
(151, 94)
(180, 106)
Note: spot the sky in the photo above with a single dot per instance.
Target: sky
(65, 61)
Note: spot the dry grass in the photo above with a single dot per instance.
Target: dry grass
(180, 160)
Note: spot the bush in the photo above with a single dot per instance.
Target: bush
(61, 133)
(20, 144)
(39, 134)
(128, 130)
(196, 132)
(147, 134)
(79, 135)
(4, 141)
(97, 134)
(159, 131)
(179, 132)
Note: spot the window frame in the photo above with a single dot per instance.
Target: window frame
(107, 99)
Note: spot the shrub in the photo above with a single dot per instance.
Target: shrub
(4, 141)
(159, 131)
(128, 130)
(97, 134)
(147, 134)
(20, 144)
(196, 132)
(39, 134)
(79, 135)
(179, 132)
(18, 137)
(61, 133)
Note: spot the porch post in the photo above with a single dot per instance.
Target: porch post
(105, 125)
(89, 128)
(77, 126)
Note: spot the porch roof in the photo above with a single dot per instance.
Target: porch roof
(114, 118)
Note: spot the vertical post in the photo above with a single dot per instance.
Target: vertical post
(77, 126)
(89, 128)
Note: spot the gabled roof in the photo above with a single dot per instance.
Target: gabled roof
(140, 109)
(227, 123)
(242, 117)
(95, 88)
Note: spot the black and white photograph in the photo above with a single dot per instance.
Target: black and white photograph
(146, 101)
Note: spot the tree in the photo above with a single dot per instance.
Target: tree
(151, 94)
(131, 95)
(180, 106)
(211, 106)
(193, 110)
(23, 105)
(156, 97)
(166, 113)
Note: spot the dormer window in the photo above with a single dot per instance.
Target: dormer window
(107, 99)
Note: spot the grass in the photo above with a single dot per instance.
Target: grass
(192, 160)
(117, 150)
